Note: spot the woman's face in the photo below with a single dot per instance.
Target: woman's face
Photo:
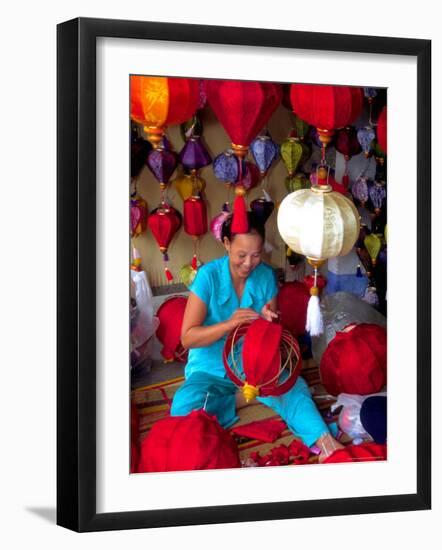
(244, 253)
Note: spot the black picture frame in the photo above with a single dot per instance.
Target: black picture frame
(76, 275)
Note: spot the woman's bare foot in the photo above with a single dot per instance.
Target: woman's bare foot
(328, 445)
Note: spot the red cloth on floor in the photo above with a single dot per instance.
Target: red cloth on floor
(263, 430)
(364, 452)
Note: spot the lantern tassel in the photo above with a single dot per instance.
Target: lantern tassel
(240, 222)
(194, 262)
(167, 271)
(314, 322)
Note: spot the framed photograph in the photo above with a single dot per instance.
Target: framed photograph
(143, 109)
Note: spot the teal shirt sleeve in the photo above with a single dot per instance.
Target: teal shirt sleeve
(202, 286)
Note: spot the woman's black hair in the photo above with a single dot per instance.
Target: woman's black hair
(255, 226)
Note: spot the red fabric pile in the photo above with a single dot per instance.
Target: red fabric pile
(282, 455)
(263, 430)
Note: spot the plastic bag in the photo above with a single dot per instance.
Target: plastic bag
(143, 322)
(349, 420)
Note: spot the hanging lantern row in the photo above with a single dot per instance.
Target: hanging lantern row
(243, 109)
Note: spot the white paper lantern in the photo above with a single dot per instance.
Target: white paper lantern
(318, 222)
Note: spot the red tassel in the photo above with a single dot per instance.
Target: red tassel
(194, 264)
(240, 223)
(169, 275)
(345, 181)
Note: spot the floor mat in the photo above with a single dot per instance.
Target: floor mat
(153, 403)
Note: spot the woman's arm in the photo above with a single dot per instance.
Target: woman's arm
(195, 335)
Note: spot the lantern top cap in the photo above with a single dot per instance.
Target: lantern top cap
(322, 188)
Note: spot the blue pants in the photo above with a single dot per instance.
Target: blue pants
(217, 396)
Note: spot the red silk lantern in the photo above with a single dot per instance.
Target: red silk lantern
(171, 314)
(365, 452)
(195, 216)
(293, 300)
(157, 102)
(164, 222)
(381, 130)
(195, 222)
(192, 442)
(355, 361)
(243, 108)
(326, 107)
(271, 359)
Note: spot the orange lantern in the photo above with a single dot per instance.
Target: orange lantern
(157, 102)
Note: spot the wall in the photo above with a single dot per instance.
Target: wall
(27, 225)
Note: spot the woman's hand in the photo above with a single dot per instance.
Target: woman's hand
(268, 311)
(241, 315)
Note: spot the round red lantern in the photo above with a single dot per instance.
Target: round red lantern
(157, 102)
(355, 361)
(192, 442)
(195, 223)
(365, 452)
(164, 222)
(293, 300)
(170, 315)
(381, 130)
(326, 107)
(270, 359)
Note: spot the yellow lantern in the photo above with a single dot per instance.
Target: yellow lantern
(318, 223)
(373, 245)
(188, 185)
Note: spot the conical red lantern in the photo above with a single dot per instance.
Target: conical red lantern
(195, 222)
(243, 109)
(192, 442)
(326, 107)
(271, 359)
(381, 130)
(164, 222)
(157, 102)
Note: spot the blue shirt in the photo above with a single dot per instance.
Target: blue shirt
(213, 285)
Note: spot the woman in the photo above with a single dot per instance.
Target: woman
(227, 292)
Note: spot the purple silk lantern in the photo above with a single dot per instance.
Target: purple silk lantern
(264, 151)
(365, 137)
(217, 222)
(377, 194)
(194, 155)
(225, 167)
(162, 164)
(262, 207)
(359, 189)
